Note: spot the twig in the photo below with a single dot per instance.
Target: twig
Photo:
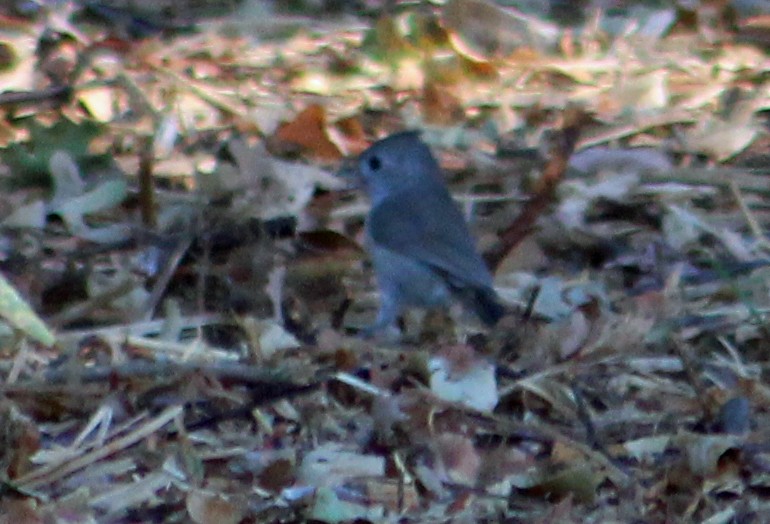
(143, 328)
(552, 175)
(749, 181)
(229, 372)
(146, 194)
(81, 309)
(58, 94)
(756, 229)
(53, 472)
(162, 280)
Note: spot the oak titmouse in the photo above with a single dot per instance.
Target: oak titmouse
(422, 251)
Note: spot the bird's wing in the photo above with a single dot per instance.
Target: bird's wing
(428, 227)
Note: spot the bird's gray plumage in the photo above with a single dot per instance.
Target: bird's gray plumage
(421, 248)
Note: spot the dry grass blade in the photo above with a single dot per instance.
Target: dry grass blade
(54, 472)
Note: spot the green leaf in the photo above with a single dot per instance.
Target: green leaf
(29, 161)
(17, 312)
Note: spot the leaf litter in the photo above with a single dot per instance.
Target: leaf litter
(189, 351)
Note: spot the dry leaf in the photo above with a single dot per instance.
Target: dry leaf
(481, 30)
(459, 458)
(470, 381)
(331, 466)
(209, 508)
(308, 130)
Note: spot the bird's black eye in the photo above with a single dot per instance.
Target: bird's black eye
(375, 163)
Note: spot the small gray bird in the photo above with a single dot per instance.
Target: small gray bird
(422, 251)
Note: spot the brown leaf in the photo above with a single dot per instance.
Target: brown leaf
(208, 508)
(277, 475)
(352, 135)
(308, 130)
(481, 30)
(459, 457)
(440, 106)
(14, 510)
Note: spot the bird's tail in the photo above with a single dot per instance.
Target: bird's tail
(487, 306)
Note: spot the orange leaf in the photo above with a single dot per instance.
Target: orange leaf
(308, 130)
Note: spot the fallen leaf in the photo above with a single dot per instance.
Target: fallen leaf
(308, 130)
(481, 30)
(329, 466)
(209, 508)
(328, 507)
(459, 457)
(473, 383)
(15, 310)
